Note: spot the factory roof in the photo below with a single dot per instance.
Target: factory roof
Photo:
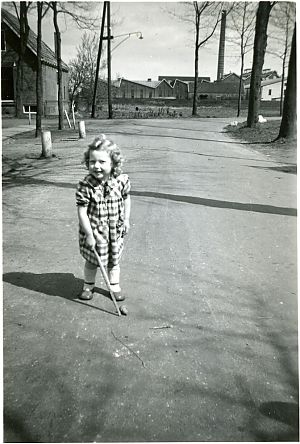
(183, 78)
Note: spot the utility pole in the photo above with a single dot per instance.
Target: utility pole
(110, 114)
(98, 60)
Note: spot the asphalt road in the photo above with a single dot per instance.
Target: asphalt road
(208, 351)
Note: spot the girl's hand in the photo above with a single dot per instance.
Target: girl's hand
(126, 227)
(90, 240)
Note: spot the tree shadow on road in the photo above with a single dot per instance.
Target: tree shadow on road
(15, 430)
(257, 208)
(285, 412)
(64, 285)
(290, 169)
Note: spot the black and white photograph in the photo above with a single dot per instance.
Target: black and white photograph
(149, 222)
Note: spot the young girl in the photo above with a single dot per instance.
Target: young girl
(103, 205)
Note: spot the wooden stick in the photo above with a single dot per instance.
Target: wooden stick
(104, 274)
(67, 118)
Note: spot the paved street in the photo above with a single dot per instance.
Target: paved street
(208, 351)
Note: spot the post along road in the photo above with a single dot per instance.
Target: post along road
(208, 351)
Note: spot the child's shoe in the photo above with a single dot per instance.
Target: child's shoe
(87, 293)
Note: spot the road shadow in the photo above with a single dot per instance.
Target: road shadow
(15, 429)
(290, 169)
(64, 285)
(257, 208)
(285, 412)
(172, 136)
(9, 181)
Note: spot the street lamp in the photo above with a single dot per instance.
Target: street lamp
(109, 37)
(137, 33)
(109, 51)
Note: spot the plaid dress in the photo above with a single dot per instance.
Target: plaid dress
(105, 210)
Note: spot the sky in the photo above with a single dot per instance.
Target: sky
(166, 48)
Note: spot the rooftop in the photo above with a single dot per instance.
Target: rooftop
(48, 56)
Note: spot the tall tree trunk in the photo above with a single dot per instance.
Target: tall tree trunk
(59, 68)
(110, 113)
(24, 32)
(240, 86)
(39, 75)
(288, 127)
(194, 112)
(260, 45)
(242, 61)
(282, 87)
(283, 64)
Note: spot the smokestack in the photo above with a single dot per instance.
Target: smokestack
(220, 72)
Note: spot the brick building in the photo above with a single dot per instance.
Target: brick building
(151, 89)
(10, 37)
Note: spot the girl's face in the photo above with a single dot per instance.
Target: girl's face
(100, 165)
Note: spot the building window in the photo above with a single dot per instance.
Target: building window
(142, 94)
(124, 94)
(132, 93)
(3, 42)
(270, 92)
(64, 93)
(150, 94)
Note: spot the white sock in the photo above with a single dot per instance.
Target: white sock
(115, 287)
(114, 278)
(90, 272)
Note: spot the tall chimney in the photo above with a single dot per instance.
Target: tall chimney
(220, 72)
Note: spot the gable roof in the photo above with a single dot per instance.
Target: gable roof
(150, 84)
(153, 84)
(231, 74)
(174, 83)
(48, 56)
(269, 81)
(266, 74)
(183, 78)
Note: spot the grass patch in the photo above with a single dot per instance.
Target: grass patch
(261, 133)
(262, 138)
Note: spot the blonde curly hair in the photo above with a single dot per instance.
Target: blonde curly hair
(101, 143)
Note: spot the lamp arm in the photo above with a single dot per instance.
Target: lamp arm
(122, 41)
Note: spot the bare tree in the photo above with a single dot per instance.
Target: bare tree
(202, 11)
(204, 17)
(260, 44)
(243, 24)
(39, 73)
(59, 67)
(282, 21)
(79, 13)
(83, 69)
(22, 15)
(39, 77)
(288, 125)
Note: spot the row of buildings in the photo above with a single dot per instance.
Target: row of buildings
(166, 87)
(182, 88)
